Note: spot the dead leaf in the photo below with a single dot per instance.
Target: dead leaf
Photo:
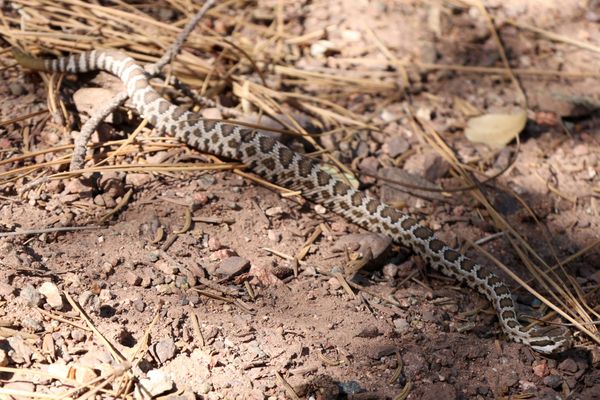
(495, 130)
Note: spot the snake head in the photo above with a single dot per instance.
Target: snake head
(545, 341)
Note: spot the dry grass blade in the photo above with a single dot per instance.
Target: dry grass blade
(568, 304)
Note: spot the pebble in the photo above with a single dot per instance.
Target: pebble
(137, 179)
(31, 324)
(22, 351)
(166, 267)
(274, 235)
(382, 350)
(89, 300)
(334, 283)
(156, 383)
(273, 211)
(369, 332)
(132, 278)
(165, 350)
(390, 271)
(232, 266)
(105, 295)
(429, 165)
(553, 381)
(52, 294)
(401, 325)
(396, 145)
(319, 209)
(139, 305)
(16, 89)
(31, 295)
(214, 244)
(568, 365)
(540, 368)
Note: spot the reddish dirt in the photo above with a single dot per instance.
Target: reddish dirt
(423, 334)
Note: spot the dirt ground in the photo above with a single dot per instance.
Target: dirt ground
(215, 309)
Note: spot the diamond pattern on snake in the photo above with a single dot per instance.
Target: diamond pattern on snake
(279, 164)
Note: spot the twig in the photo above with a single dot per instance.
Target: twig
(48, 230)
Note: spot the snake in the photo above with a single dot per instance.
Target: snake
(277, 163)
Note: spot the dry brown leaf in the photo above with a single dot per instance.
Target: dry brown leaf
(495, 130)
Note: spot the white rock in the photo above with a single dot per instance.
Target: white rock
(52, 294)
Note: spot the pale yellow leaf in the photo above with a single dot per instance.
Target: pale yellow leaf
(495, 130)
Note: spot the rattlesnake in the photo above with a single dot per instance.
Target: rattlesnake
(274, 161)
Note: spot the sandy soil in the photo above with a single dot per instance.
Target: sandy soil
(225, 315)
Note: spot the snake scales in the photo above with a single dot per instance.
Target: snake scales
(274, 161)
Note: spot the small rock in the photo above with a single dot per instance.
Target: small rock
(166, 267)
(139, 305)
(205, 388)
(232, 266)
(214, 244)
(429, 165)
(31, 295)
(16, 89)
(31, 324)
(395, 146)
(132, 278)
(382, 350)
(540, 368)
(369, 332)
(107, 268)
(222, 254)
(401, 325)
(369, 165)
(273, 211)
(52, 294)
(323, 48)
(390, 271)
(165, 350)
(105, 295)
(334, 283)
(568, 365)
(274, 235)
(319, 209)
(553, 381)
(156, 383)
(22, 352)
(137, 179)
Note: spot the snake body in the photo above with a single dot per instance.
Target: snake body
(277, 163)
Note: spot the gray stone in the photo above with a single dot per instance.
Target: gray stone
(31, 295)
(165, 350)
(396, 145)
(553, 381)
(156, 383)
(32, 324)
